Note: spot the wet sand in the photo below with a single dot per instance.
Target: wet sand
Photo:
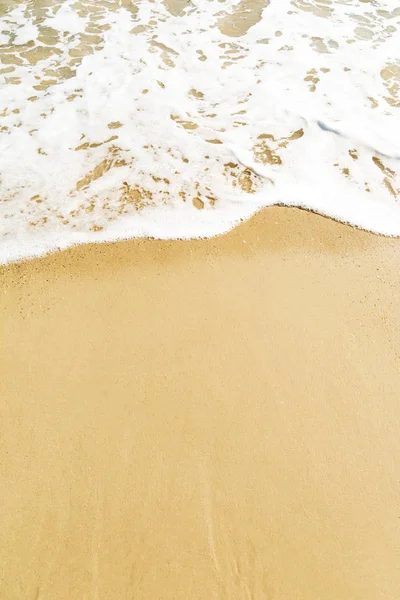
(209, 419)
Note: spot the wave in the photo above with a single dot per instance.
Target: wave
(179, 119)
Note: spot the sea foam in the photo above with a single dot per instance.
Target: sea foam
(179, 119)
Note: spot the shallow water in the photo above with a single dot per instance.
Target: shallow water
(180, 118)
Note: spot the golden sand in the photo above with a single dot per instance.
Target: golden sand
(214, 419)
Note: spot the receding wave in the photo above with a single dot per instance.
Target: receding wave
(180, 118)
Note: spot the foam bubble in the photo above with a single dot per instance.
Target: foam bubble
(178, 119)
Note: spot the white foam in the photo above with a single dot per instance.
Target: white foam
(107, 122)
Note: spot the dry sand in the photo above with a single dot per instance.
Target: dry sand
(199, 420)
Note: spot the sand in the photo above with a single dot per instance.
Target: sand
(205, 419)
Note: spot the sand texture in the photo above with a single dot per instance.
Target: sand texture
(203, 420)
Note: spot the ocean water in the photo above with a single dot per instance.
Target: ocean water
(181, 118)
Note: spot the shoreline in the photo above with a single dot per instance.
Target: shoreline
(197, 238)
(204, 418)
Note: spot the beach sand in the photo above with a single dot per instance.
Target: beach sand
(203, 419)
